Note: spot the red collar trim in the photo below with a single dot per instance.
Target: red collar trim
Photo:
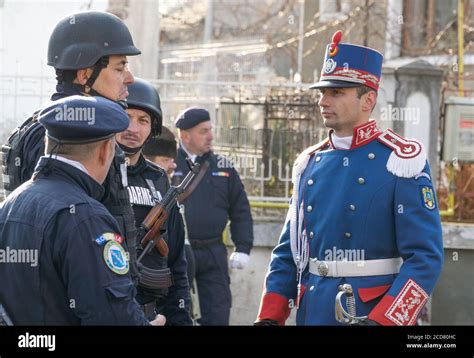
(363, 135)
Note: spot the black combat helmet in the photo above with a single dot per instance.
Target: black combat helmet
(142, 95)
(80, 40)
(87, 39)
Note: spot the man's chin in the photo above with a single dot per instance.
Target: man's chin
(329, 122)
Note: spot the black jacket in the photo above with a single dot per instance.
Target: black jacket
(81, 276)
(219, 197)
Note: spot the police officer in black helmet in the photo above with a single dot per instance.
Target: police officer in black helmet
(147, 184)
(89, 53)
(76, 271)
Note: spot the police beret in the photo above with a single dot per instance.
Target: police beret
(80, 119)
(191, 117)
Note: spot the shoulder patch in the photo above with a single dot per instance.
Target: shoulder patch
(116, 258)
(408, 157)
(428, 197)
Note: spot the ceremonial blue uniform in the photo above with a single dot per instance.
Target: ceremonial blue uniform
(365, 216)
(81, 274)
(355, 209)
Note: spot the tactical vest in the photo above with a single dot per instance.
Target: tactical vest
(26, 139)
(117, 202)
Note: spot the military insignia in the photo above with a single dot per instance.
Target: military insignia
(329, 65)
(116, 258)
(220, 174)
(428, 197)
(407, 305)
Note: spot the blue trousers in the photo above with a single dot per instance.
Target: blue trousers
(213, 281)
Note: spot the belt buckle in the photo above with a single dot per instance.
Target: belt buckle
(323, 268)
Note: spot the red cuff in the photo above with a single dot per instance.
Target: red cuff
(275, 307)
(402, 310)
(378, 313)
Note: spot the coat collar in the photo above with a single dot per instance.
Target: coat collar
(69, 173)
(362, 134)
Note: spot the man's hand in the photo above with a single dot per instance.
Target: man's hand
(159, 320)
(366, 322)
(238, 260)
(266, 322)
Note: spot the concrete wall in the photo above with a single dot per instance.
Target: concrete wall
(247, 284)
(453, 298)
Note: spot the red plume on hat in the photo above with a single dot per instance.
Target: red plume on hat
(336, 38)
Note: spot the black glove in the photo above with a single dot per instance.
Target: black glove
(366, 322)
(266, 322)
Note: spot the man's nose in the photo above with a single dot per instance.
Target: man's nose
(133, 126)
(323, 101)
(129, 78)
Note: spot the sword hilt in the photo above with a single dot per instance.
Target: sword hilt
(342, 315)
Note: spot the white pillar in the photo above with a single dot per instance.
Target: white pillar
(144, 23)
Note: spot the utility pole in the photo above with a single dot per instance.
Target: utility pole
(300, 40)
(208, 22)
(460, 47)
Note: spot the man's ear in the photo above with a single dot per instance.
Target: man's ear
(105, 150)
(184, 134)
(369, 100)
(83, 75)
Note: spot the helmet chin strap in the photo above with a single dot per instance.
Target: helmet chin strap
(129, 150)
(102, 63)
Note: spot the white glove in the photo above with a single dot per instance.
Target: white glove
(238, 260)
(159, 320)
